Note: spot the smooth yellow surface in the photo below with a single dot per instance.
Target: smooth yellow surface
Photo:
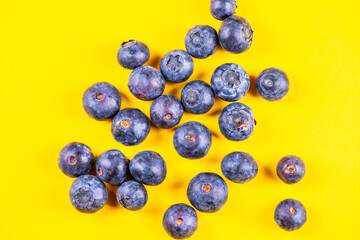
(50, 52)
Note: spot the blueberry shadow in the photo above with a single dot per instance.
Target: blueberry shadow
(153, 209)
(221, 50)
(176, 185)
(174, 92)
(252, 89)
(112, 200)
(199, 76)
(155, 61)
(93, 168)
(108, 121)
(214, 161)
(215, 112)
(124, 96)
(175, 88)
(214, 134)
(129, 176)
(174, 128)
(269, 173)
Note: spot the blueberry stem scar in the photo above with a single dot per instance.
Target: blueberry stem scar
(72, 159)
(191, 137)
(128, 43)
(290, 169)
(292, 210)
(206, 188)
(168, 116)
(99, 96)
(125, 123)
(179, 221)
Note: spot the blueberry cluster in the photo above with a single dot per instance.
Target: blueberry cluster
(207, 192)
(88, 193)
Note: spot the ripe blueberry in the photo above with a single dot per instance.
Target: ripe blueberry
(177, 66)
(88, 194)
(133, 54)
(192, 140)
(197, 97)
(101, 101)
(180, 221)
(166, 111)
(207, 192)
(132, 195)
(290, 169)
(230, 82)
(239, 167)
(75, 159)
(146, 83)
(236, 122)
(235, 34)
(272, 84)
(130, 126)
(112, 167)
(290, 215)
(221, 9)
(148, 167)
(201, 41)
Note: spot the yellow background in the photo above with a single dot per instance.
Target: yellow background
(50, 52)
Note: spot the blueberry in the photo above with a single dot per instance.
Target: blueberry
(192, 140)
(88, 194)
(112, 167)
(133, 54)
(148, 167)
(230, 82)
(130, 126)
(166, 111)
(146, 83)
(236, 122)
(290, 215)
(132, 195)
(197, 97)
(239, 167)
(290, 169)
(201, 41)
(101, 101)
(180, 221)
(177, 66)
(235, 34)
(75, 159)
(221, 9)
(272, 84)
(207, 192)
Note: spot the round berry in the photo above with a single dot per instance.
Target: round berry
(166, 111)
(130, 126)
(133, 54)
(192, 140)
(75, 159)
(239, 167)
(132, 195)
(101, 101)
(148, 167)
(180, 221)
(88, 194)
(197, 97)
(112, 167)
(272, 84)
(290, 169)
(290, 215)
(177, 66)
(236, 122)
